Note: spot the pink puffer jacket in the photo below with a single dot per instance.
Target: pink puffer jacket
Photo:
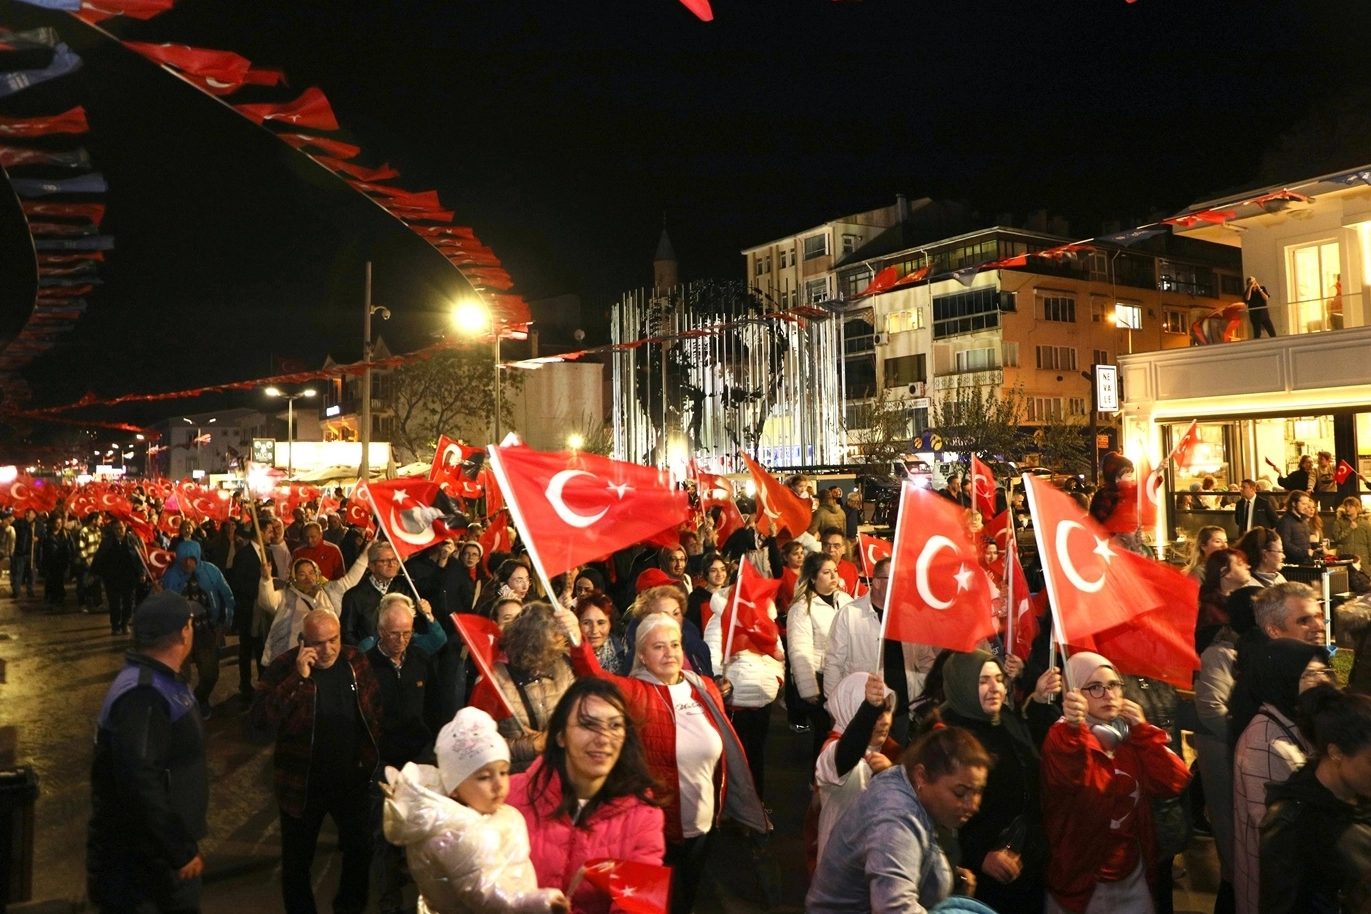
(622, 829)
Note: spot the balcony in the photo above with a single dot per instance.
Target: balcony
(968, 379)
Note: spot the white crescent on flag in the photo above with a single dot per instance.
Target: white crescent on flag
(930, 550)
(1069, 566)
(555, 498)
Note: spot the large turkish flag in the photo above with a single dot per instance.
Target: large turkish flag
(777, 506)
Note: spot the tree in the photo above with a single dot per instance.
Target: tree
(983, 421)
(881, 428)
(450, 394)
(1062, 446)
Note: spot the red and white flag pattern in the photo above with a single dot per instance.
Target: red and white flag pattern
(873, 549)
(632, 887)
(716, 491)
(747, 624)
(778, 508)
(1184, 451)
(482, 637)
(982, 488)
(404, 509)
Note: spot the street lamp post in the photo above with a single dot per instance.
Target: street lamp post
(199, 431)
(364, 420)
(290, 421)
(473, 319)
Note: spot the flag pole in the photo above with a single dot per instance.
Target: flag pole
(733, 621)
(381, 527)
(1009, 584)
(894, 554)
(1038, 532)
(517, 515)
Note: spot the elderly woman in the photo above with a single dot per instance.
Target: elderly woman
(669, 599)
(1351, 535)
(857, 749)
(1101, 765)
(1208, 540)
(1003, 843)
(590, 795)
(597, 616)
(818, 598)
(692, 750)
(532, 678)
(1265, 555)
(883, 855)
(1269, 750)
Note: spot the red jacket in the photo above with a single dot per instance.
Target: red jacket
(327, 556)
(650, 707)
(625, 828)
(1095, 808)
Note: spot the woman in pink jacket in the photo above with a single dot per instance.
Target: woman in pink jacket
(589, 795)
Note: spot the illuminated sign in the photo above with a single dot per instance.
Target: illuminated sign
(1107, 388)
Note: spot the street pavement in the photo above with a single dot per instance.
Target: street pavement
(60, 664)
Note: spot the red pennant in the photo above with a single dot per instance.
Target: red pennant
(982, 488)
(634, 888)
(336, 148)
(1022, 609)
(157, 560)
(99, 10)
(938, 593)
(1184, 451)
(482, 637)
(311, 110)
(73, 121)
(360, 172)
(216, 72)
(451, 463)
(497, 537)
(881, 282)
(1343, 471)
(700, 8)
(717, 492)
(1151, 485)
(777, 506)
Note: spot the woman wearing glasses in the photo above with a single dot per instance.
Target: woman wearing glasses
(1270, 748)
(1265, 555)
(1101, 764)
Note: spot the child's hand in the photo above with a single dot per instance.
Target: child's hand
(560, 904)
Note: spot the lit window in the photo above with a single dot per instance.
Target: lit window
(1127, 317)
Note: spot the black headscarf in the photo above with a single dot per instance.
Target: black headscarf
(1275, 671)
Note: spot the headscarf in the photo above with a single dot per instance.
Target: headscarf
(1079, 668)
(1275, 673)
(962, 684)
(847, 700)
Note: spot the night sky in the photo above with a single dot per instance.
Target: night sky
(562, 131)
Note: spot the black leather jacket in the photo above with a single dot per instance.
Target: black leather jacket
(1315, 849)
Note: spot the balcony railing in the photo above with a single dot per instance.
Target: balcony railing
(1316, 315)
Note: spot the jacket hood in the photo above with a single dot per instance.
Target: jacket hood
(848, 697)
(417, 808)
(188, 548)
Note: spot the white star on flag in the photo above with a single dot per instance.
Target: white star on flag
(963, 578)
(1102, 549)
(621, 488)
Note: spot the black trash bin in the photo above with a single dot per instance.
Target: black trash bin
(18, 792)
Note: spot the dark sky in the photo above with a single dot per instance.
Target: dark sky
(562, 130)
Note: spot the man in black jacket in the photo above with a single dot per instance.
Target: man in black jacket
(358, 614)
(149, 780)
(1252, 510)
(118, 563)
(243, 576)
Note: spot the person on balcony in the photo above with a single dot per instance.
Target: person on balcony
(1257, 300)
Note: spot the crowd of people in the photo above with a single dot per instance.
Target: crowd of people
(613, 726)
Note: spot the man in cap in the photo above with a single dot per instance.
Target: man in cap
(149, 781)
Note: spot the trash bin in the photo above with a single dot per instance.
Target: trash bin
(18, 791)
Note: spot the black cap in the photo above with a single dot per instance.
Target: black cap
(160, 615)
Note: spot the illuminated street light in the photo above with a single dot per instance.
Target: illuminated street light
(575, 441)
(471, 318)
(290, 421)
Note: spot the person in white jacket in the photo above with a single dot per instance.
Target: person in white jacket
(756, 680)
(307, 591)
(818, 598)
(854, 647)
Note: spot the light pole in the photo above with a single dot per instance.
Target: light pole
(290, 421)
(364, 420)
(472, 318)
(199, 431)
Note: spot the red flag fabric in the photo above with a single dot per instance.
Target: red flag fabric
(1151, 484)
(311, 109)
(404, 509)
(157, 560)
(358, 513)
(718, 492)
(881, 282)
(497, 536)
(756, 631)
(360, 172)
(700, 8)
(1343, 471)
(450, 462)
(938, 593)
(873, 549)
(336, 148)
(73, 121)
(495, 499)
(98, 10)
(1099, 590)
(572, 507)
(1184, 450)
(1022, 609)
(982, 488)
(634, 888)
(216, 72)
(777, 506)
(482, 637)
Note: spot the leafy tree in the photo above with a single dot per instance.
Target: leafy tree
(450, 394)
(1063, 446)
(881, 427)
(984, 421)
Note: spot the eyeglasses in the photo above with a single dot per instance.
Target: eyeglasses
(400, 636)
(1099, 689)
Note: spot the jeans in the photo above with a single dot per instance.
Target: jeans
(687, 862)
(21, 570)
(349, 808)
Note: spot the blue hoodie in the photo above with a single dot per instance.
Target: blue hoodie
(210, 579)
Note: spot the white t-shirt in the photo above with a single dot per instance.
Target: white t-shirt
(698, 750)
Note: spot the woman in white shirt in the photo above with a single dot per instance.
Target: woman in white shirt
(818, 598)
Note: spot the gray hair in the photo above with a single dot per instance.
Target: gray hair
(374, 550)
(646, 626)
(392, 600)
(1271, 606)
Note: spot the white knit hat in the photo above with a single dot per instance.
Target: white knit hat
(468, 742)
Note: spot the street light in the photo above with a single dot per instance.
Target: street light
(575, 441)
(471, 318)
(199, 431)
(290, 421)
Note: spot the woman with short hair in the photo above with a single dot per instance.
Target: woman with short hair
(597, 617)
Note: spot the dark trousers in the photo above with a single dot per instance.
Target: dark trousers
(204, 655)
(135, 885)
(1261, 320)
(299, 837)
(120, 606)
(249, 647)
(21, 571)
(687, 862)
(752, 726)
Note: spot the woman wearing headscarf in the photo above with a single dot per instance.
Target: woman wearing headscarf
(1101, 765)
(1003, 843)
(1270, 749)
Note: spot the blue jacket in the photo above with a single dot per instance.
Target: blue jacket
(210, 579)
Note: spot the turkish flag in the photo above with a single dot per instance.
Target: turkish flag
(1151, 488)
(1100, 590)
(360, 172)
(311, 109)
(572, 507)
(405, 510)
(873, 550)
(982, 488)
(136, 522)
(336, 148)
(358, 511)
(497, 536)
(938, 593)
(1343, 471)
(718, 492)
(98, 10)
(632, 887)
(72, 121)
(215, 72)
(84, 502)
(19, 494)
(1184, 450)
(92, 212)
(755, 630)
(456, 467)
(482, 637)
(781, 508)
(1021, 608)
(157, 561)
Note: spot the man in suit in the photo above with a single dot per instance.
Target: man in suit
(1252, 511)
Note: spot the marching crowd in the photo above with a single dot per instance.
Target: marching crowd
(614, 723)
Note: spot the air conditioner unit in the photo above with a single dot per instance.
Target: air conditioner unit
(916, 389)
(881, 339)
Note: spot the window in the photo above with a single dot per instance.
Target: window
(816, 290)
(1314, 271)
(1076, 406)
(1173, 321)
(965, 312)
(920, 420)
(1127, 317)
(758, 271)
(900, 321)
(794, 297)
(1100, 357)
(1009, 355)
(1056, 358)
(1044, 409)
(1230, 284)
(1058, 308)
(783, 261)
(816, 246)
(1099, 267)
(1099, 309)
(854, 282)
(906, 369)
(974, 360)
(850, 243)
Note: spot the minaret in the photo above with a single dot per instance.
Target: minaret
(664, 268)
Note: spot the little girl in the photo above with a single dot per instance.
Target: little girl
(468, 851)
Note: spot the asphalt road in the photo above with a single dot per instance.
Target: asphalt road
(59, 666)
